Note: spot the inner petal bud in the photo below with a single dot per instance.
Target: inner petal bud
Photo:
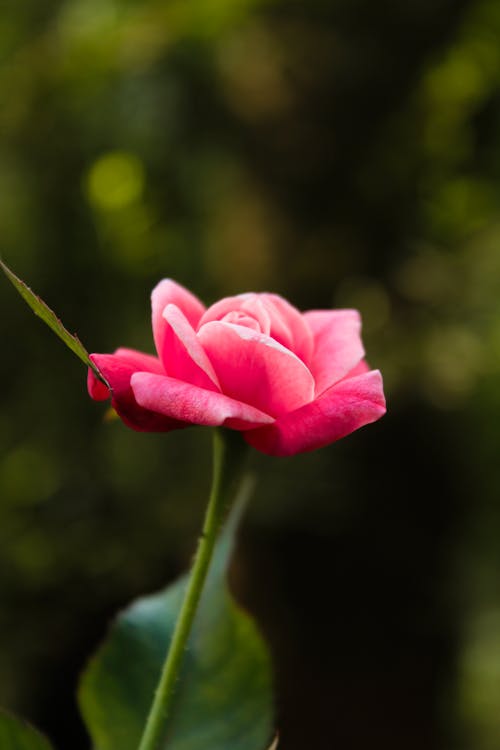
(241, 318)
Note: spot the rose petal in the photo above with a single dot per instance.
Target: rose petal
(360, 368)
(337, 345)
(274, 315)
(183, 356)
(188, 403)
(288, 326)
(256, 369)
(343, 408)
(118, 369)
(169, 292)
(117, 365)
(140, 360)
(249, 304)
(96, 388)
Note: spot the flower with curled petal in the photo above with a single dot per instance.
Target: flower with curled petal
(289, 381)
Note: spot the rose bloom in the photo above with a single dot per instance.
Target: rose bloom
(289, 381)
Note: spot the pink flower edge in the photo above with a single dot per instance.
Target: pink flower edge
(118, 369)
(345, 407)
(290, 382)
(191, 404)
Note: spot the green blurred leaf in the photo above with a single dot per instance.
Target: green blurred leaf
(224, 696)
(16, 735)
(49, 317)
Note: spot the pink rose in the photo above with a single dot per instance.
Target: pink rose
(289, 381)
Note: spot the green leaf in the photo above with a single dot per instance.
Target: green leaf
(16, 735)
(224, 697)
(49, 317)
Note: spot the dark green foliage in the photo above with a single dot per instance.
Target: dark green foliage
(224, 697)
(16, 735)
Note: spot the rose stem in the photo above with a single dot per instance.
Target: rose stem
(228, 452)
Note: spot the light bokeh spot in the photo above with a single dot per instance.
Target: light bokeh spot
(115, 181)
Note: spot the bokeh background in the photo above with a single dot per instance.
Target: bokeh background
(341, 153)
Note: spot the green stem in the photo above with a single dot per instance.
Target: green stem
(227, 455)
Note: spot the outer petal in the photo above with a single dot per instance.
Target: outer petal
(169, 292)
(96, 388)
(115, 363)
(256, 369)
(360, 368)
(188, 403)
(183, 356)
(118, 369)
(343, 408)
(337, 345)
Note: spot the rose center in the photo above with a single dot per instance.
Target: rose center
(240, 318)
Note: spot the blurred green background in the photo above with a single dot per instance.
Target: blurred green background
(341, 153)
